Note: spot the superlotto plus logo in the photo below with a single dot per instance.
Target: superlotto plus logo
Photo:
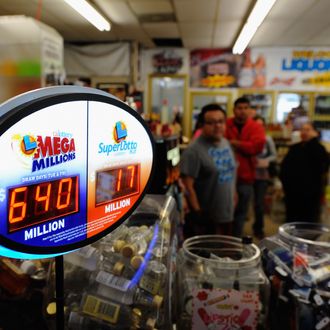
(119, 131)
(44, 151)
(119, 135)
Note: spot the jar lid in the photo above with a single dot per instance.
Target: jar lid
(51, 308)
(136, 318)
(151, 323)
(128, 250)
(136, 261)
(118, 268)
(118, 245)
(137, 311)
(143, 228)
(157, 301)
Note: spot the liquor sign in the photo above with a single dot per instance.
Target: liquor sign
(76, 163)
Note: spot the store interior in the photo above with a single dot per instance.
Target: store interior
(165, 60)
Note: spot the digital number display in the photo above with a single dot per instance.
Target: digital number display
(32, 204)
(117, 183)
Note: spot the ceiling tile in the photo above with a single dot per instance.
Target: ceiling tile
(225, 33)
(196, 10)
(162, 30)
(301, 31)
(233, 9)
(118, 11)
(291, 10)
(322, 38)
(145, 7)
(196, 29)
(319, 10)
(269, 32)
(195, 42)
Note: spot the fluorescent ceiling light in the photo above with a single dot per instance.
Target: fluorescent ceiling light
(90, 13)
(256, 17)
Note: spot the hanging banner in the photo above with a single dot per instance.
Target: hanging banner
(217, 68)
(164, 61)
(97, 60)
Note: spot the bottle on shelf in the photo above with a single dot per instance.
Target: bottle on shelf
(78, 321)
(142, 321)
(114, 241)
(103, 309)
(164, 113)
(123, 291)
(121, 266)
(137, 242)
(144, 298)
(154, 277)
(129, 269)
(87, 258)
(109, 261)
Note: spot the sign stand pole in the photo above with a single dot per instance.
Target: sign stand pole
(59, 277)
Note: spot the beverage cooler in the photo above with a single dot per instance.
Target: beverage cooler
(124, 280)
(261, 101)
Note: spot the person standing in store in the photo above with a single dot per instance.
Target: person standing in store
(247, 137)
(303, 174)
(262, 180)
(208, 173)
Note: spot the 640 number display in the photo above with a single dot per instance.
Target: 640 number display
(36, 203)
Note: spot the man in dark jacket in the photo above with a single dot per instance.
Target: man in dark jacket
(247, 138)
(303, 173)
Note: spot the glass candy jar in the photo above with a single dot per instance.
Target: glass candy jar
(221, 284)
(297, 262)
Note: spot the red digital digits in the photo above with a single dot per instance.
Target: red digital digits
(120, 173)
(115, 183)
(125, 177)
(132, 169)
(42, 201)
(18, 202)
(64, 193)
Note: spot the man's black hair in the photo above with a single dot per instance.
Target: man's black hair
(210, 107)
(241, 100)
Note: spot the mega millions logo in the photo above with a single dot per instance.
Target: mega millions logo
(119, 131)
(42, 152)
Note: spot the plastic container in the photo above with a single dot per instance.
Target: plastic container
(297, 262)
(221, 284)
(109, 285)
